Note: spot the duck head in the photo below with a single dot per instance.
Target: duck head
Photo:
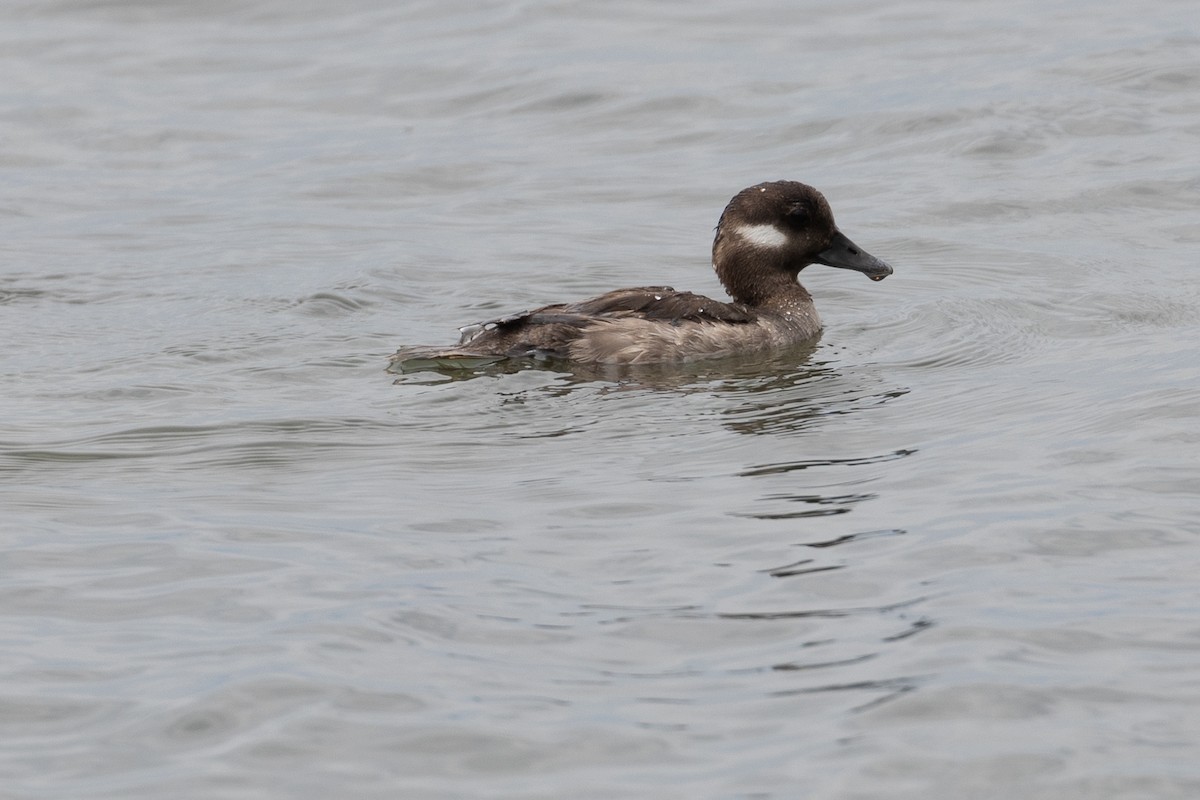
(773, 230)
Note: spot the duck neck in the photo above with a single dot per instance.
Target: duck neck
(761, 284)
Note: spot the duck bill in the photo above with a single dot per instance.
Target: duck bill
(845, 254)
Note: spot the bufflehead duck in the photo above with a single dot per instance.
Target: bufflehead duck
(766, 235)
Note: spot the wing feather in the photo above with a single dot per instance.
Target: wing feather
(551, 329)
(662, 303)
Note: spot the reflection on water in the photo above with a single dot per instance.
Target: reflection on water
(775, 469)
(778, 391)
(826, 505)
(668, 375)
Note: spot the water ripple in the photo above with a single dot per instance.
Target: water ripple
(792, 466)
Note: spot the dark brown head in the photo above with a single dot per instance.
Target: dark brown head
(769, 232)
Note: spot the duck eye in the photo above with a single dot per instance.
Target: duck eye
(798, 213)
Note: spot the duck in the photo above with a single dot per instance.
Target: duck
(767, 234)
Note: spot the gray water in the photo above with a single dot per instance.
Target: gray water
(948, 551)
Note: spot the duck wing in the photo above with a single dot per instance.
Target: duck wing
(663, 304)
(549, 330)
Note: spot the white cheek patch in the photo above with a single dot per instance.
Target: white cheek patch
(762, 235)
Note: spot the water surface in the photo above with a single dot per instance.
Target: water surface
(948, 550)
